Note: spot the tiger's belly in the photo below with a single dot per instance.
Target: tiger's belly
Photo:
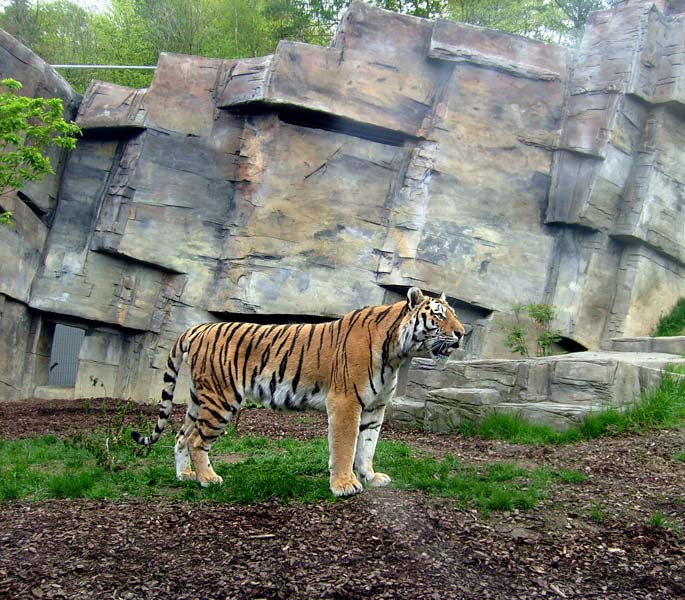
(283, 396)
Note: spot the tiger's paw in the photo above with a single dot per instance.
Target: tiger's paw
(378, 480)
(187, 475)
(210, 479)
(345, 486)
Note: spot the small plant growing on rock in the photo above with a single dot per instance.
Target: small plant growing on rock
(518, 334)
(672, 323)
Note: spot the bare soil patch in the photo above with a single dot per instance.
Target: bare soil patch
(587, 540)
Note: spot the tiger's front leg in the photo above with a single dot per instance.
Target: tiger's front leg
(343, 426)
(369, 429)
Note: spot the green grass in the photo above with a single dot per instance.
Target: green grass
(672, 323)
(598, 513)
(290, 470)
(660, 408)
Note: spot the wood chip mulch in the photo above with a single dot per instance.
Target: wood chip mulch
(383, 543)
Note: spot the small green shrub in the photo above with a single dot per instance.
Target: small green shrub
(541, 317)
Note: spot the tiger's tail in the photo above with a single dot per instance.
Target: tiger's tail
(172, 366)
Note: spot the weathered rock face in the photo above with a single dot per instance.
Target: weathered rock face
(557, 390)
(317, 180)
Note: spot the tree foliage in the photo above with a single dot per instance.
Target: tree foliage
(27, 127)
(134, 32)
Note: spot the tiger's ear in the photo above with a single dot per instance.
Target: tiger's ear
(442, 298)
(414, 297)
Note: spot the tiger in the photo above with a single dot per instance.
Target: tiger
(346, 367)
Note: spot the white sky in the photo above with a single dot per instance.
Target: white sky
(96, 4)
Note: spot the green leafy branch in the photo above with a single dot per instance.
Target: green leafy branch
(27, 127)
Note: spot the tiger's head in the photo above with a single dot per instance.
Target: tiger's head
(432, 325)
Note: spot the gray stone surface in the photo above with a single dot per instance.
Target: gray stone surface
(319, 179)
(557, 391)
(665, 345)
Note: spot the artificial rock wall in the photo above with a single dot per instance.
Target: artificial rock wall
(316, 180)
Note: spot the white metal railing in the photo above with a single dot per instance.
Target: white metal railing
(102, 67)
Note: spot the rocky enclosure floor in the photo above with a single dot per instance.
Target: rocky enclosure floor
(587, 540)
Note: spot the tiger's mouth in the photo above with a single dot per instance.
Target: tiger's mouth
(441, 348)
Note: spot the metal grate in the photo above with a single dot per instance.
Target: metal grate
(66, 344)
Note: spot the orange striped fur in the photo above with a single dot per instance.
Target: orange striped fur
(346, 367)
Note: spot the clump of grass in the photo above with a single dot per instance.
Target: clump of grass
(501, 486)
(660, 407)
(515, 429)
(673, 323)
(679, 456)
(598, 513)
(658, 520)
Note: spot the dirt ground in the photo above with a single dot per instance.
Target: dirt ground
(383, 543)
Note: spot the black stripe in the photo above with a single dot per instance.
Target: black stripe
(272, 385)
(171, 366)
(298, 328)
(318, 350)
(247, 358)
(312, 328)
(253, 379)
(265, 329)
(167, 396)
(281, 368)
(356, 393)
(296, 378)
(193, 397)
(236, 351)
(281, 330)
(386, 344)
(265, 358)
(200, 344)
(369, 312)
(225, 366)
(383, 314)
(206, 423)
(285, 339)
(207, 438)
(373, 387)
(169, 378)
(216, 415)
(370, 368)
(217, 336)
(371, 425)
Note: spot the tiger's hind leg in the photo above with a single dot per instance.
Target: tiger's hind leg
(184, 467)
(212, 418)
